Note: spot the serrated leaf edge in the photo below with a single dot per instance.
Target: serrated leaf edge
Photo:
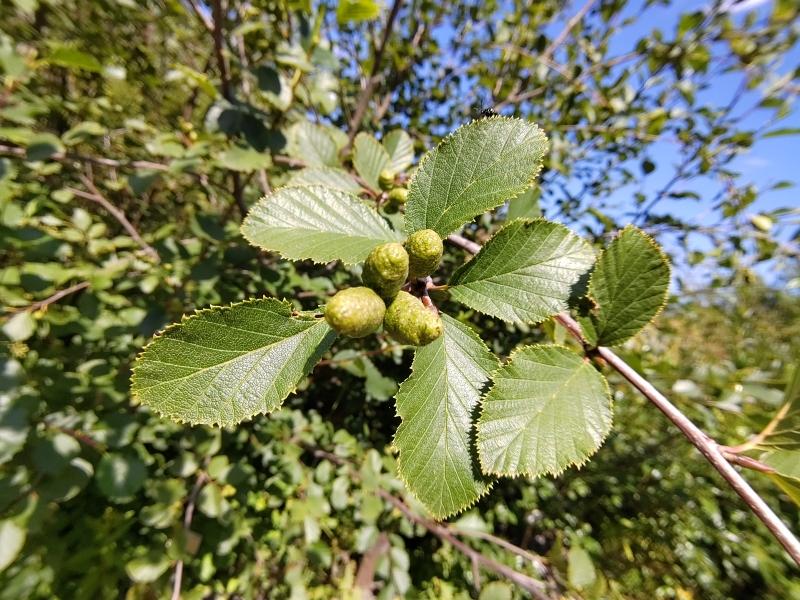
(473, 432)
(430, 152)
(311, 186)
(485, 244)
(664, 257)
(185, 317)
(576, 464)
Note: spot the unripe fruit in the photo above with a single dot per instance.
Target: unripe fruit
(355, 312)
(398, 196)
(386, 179)
(425, 250)
(386, 269)
(409, 322)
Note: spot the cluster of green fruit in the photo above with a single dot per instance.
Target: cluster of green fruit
(359, 311)
(395, 196)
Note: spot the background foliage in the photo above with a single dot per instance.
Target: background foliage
(180, 115)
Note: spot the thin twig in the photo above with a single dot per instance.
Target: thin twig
(95, 196)
(188, 515)
(562, 36)
(18, 152)
(206, 22)
(764, 434)
(369, 85)
(708, 447)
(50, 299)
(536, 588)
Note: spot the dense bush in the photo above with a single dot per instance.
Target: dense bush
(134, 138)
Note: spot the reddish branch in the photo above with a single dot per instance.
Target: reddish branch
(95, 196)
(188, 515)
(709, 448)
(54, 298)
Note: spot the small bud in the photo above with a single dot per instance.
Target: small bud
(425, 250)
(355, 312)
(386, 269)
(409, 322)
(386, 179)
(398, 196)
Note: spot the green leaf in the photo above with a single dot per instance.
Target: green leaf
(12, 539)
(548, 409)
(226, 364)
(785, 462)
(476, 168)
(120, 475)
(436, 404)
(354, 11)
(369, 158)
(147, 569)
(327, 176)
(787, 471)
(400, 147)
(783, 431)
(83, 131)
(628, 288)
(19, 327)
(72, 58)
(242, 159)
(525, 273)
(316, 223)
(525, 206)
(43, 145)
(580, 569)
(313, 145)
(781, 132)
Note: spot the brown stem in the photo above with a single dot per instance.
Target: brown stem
(562, 36)
(54, 298)
(708, 447)
(365, 576)
(188, 515)
(95, 196)
(536, 588)
(369, 85)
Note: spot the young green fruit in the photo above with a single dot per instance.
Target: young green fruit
(398, 196)
(355, 312)
(425, 250)
(409, 322)
(386, 179)
(386, 269)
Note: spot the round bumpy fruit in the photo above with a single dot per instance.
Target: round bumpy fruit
(386, 179)
(355, 312)
(425, 250)
(409, 322)
(398, 196)
(386, 269)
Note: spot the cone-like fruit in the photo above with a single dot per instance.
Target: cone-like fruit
(355, 312)
(425, 250)
(409, 322)
(386, 179)
(386, 269)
